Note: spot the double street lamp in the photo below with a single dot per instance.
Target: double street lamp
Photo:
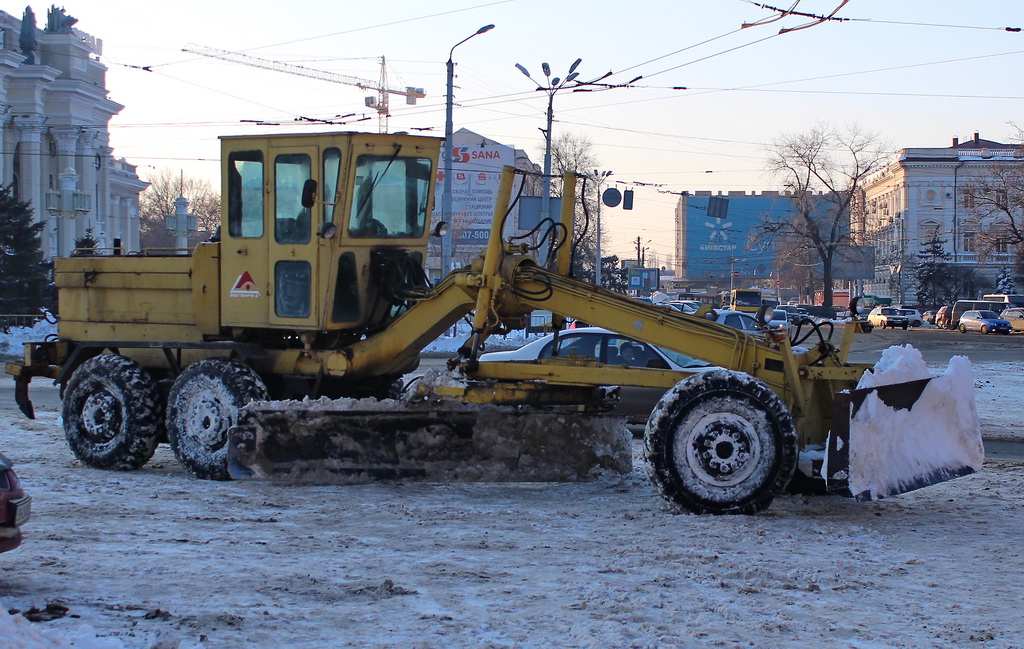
(551, 87)
(446, 198)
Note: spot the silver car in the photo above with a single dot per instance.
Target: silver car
(611, 348)
(1015, 317)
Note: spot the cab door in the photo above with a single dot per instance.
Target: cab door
(244, 276)
(293, 277)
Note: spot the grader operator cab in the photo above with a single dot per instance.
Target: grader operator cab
(270, 352)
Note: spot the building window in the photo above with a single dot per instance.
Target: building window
(968, 242)
(968, 198)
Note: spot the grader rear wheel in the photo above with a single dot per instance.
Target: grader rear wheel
(112, 413)
(721, 442)
(202, 406)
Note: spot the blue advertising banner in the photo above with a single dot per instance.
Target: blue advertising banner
(720, 234)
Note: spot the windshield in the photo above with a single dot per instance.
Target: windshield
(748, 298)
(390, 197)
(682, 360)
(987, 315)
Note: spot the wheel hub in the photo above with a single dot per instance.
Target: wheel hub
(723, 451)
(209, 422)
(101, 417)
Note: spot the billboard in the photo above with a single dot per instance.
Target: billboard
(719, 234)
(643, 279)
(476, 174)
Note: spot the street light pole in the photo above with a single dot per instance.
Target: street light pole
(552, 87)
(446, 198)
(600, 176)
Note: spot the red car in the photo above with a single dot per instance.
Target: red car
(15, 506)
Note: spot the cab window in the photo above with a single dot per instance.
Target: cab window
(291, 219)
(245, 194)
(390, 198)
(332, 167)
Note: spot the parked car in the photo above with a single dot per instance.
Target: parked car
(961, 307)
(1015, 317)
(15, 506)
(779, 318)
(913, 316)
(983, 321)
(942, 317)
(929, 317)
(888, 316)
(737, 320)
(605, 346)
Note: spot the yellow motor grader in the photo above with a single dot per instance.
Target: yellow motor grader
(274, 350)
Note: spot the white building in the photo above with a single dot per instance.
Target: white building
(919, 197)
(56, 151)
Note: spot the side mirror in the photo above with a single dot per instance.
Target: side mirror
(309, 193)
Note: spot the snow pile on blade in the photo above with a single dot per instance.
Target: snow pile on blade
(363, 440)
(907, 428)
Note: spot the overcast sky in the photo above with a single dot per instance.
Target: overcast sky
(917, 72)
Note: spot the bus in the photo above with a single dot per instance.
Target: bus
(1013, 300)
(742, 299)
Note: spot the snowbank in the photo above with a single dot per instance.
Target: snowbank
(12, 343)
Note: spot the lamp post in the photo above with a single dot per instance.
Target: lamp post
(446, 198)
(600, 176)
(552, 87)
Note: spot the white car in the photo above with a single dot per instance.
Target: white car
(888, 316)
(611, 348)
(913, 316)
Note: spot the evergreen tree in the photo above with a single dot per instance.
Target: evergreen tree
(936, 281)
(1004, 281)
(86, 244)
(24, 282)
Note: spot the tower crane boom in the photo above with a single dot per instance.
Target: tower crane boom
(379, 103)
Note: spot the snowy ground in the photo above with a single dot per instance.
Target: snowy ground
(156, 555)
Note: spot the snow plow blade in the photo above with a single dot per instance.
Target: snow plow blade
(358, 441)
(891, 438)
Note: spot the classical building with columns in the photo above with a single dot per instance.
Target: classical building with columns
(56, 144)
(925, 195)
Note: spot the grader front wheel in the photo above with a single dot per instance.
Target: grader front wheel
(202, 406)
(721, 442)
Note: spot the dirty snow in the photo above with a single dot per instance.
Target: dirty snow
(154, 558)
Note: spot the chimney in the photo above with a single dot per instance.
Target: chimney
(976, 138)
(956, 141)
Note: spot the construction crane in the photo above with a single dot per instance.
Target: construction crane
(379, 102)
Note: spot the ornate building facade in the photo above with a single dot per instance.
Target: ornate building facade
(55, 139)
(923, 195)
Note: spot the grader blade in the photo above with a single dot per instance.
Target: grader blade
(893, 438)
(357, 441)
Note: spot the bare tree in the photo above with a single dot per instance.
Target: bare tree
(574, 152)
(823, 170)
(166, 185)
(995, 201)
